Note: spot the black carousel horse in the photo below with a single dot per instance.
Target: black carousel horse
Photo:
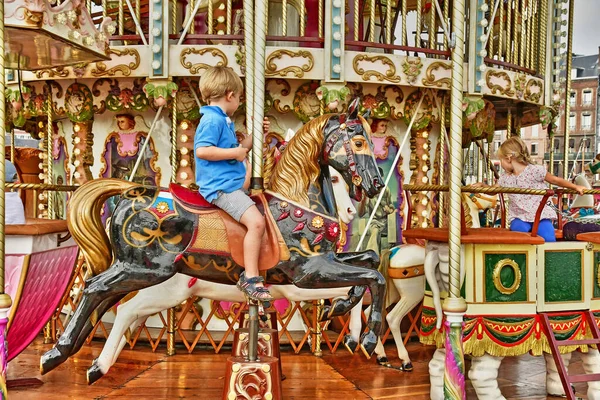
(156, 234)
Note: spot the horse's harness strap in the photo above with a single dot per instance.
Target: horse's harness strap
(343, 131)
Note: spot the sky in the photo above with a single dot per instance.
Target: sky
(586, 29)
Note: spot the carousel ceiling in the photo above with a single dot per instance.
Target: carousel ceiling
(39, 35)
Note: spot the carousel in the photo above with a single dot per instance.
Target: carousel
(379, 113)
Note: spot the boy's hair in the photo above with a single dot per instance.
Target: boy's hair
(217, 82)
(515, 147)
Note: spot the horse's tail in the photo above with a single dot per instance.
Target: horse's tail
(85, 223)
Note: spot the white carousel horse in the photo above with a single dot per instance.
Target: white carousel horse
(409, 291)
(180, 287)
(484, 370)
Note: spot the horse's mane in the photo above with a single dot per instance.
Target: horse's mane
(299, 163)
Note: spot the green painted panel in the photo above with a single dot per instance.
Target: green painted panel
(563, 276)
(595, 277)
(507, 277)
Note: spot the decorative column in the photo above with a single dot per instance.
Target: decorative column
(83, 157)
(455, 306)
(420, 164)
(334, 40)
(5, 301)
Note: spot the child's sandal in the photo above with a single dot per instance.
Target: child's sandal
(249, 288)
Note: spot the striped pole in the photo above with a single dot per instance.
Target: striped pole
(455, 306)
(260, 41)
(5, 300)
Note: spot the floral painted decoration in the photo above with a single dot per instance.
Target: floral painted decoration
(377, 104)
(332, 97)
(161, 93)
(324, 229)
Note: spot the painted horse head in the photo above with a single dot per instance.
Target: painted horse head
(348, 149)
(340, 141)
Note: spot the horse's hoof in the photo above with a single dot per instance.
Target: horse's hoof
(368, 342)
(324, 314)
(408, 367)
(93, 373)
(50, 360)
(350, 344)
(383, 361)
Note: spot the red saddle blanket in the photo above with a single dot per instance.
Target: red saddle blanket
(218, 233)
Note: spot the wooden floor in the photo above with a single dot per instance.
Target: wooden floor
(141, 374)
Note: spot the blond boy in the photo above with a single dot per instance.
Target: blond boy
(221, 169)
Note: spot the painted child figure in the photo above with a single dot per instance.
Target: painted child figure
(221, 169)
(520, 172)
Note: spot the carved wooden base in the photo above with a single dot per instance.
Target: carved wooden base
(270, 323)
(268, 344)
(252, 380)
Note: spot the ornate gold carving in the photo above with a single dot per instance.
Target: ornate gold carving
(390, 74)
(529, 96)
(195, 68)
(506, 262)
(211, 234)
(495, 88)
(430, 80)
(59, 72)
(298, 71)
(124, 69)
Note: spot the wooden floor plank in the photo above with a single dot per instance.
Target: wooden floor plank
(141, 374)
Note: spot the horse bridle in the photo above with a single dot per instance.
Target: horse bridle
(343, 132)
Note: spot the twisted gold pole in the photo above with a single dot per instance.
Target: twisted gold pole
(509, 131)
(321, 14)
(568, 91)
(171, 326)
(404, 30)
(284, 18)
(121, 18)
(432, 28)
(419, 24)
(104, 11)
(193, 17)
(12, 145)
(210, 17)
(356, 19)
(174, 164)
(50, 160)
(173, 15)
(443, 144)
(490, 32)
(229, 16)
(501, 31)
(530, 36)
(302, 19)
(542, 41)
(388, 23)
(446, 14)
(509, 27)
(523, 46)
(372, 21)
(41, 186)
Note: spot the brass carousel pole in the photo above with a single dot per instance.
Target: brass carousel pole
(5, 301)
(171, 320)
(455, 306)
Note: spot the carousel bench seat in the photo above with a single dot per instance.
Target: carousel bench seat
(593, 237)
(475, 236)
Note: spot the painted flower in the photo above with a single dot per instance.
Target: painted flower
(317, 222)
(298, 213)
(126, 97)
(333, 230)
(369, 102)
(162, 207)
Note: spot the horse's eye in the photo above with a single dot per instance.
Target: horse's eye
(358, 144)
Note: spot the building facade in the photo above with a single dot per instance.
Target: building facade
(582, 119)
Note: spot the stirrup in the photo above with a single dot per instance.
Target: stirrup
(253, 292)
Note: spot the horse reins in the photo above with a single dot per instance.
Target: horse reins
(343, 132)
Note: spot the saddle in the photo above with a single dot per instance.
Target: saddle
(218, 233)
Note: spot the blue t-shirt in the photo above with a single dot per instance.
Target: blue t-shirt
(216, 129)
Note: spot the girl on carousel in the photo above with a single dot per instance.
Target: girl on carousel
(520, 172)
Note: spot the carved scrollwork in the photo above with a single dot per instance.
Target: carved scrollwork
(430, 79)
(285, 91)
(195, 68)
(533, 96)
(125, 69)
(496, 88)
(390, 74)
(298, 71)
(58, 72)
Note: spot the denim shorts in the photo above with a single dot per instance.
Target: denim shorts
(235, 203)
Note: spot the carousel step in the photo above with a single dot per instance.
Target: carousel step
(584, 378)
(566, 379)
(577, 342)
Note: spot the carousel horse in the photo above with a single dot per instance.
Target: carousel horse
(158, 234)
(406, 281)
(176, 290)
